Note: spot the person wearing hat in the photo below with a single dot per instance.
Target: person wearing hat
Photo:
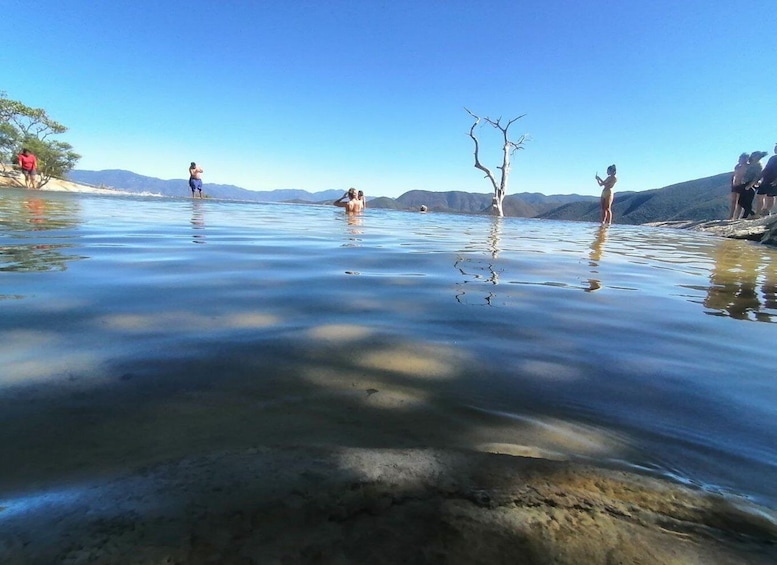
(353, 205)
(767, 187)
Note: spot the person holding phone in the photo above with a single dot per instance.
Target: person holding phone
(607, 194)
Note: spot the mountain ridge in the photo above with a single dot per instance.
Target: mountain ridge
(700, 199)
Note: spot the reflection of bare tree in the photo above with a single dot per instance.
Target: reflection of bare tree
(198, 221)
(597, 248)
(494, 236)
(476, 270)
(738, 269)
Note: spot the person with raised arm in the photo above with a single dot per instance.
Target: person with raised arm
(607, 194)
(353, 205)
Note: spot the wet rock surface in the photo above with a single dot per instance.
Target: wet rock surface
(762, 229)
(317, 505)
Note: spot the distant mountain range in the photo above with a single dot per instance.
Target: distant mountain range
(701, 199)
(133, 182)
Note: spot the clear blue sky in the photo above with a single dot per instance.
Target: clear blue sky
(330, 94)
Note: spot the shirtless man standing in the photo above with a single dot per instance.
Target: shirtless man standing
(353, 205)
(195, 178)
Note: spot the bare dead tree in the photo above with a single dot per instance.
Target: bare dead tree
(508, 148)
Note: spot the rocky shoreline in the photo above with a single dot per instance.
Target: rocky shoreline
(762, 229)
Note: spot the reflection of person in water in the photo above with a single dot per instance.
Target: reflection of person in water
(37, 208)
(597, 248)
(198, 221)
(733, 281)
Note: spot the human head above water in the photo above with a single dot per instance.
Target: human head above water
(611, 170)
(192, 165)
(352, 193)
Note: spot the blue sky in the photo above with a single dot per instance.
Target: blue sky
(331, 94)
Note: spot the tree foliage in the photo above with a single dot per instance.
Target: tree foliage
(23, 126)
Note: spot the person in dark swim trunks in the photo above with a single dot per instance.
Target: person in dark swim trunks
(738, 186)
(195, 178)
(752, 174)
(29, 165)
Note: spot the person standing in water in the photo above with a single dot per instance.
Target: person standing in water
(607, 194)
(353, 205)
(195, 178)
(363, 199)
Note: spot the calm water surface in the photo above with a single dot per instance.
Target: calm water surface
(134, 329)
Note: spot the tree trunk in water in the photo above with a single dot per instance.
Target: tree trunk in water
(508, 147)
(497, 204)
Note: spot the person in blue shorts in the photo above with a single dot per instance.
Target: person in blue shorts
(195, 178)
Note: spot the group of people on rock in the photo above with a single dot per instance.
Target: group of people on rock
(753, 186)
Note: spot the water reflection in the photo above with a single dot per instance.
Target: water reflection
(354, 230)
(743, 283)
(24, 249)
(476, 270)
(597, 248)
(36, 213)
(494, 237)
(198, 221)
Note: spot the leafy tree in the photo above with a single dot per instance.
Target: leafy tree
(24, 126)
(55, 158)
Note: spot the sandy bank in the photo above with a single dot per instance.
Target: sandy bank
(10, 178)
(316, 505)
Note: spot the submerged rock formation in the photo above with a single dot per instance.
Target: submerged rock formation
(317, 505)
